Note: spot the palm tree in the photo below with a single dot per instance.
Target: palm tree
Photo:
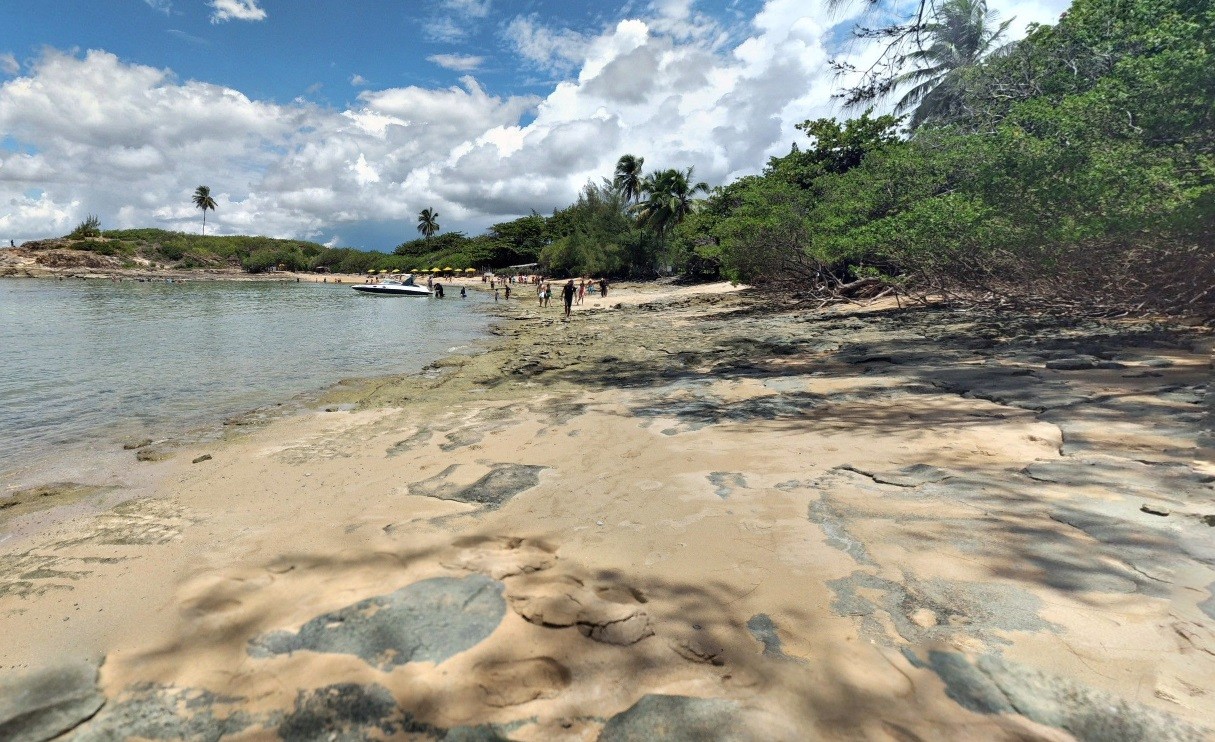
(628, 179)
(960, 33)
(202, 199)
(671, 196)
(428, 222)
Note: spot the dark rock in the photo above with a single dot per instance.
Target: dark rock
(1075, 363)
(131, 445)
(163, 713)
(678, 719)
(45, 704)
(726, 482)
(200, 459)
(1153, 510)
(492, 490)
(344, 712)
(428, 621)
(992, 685)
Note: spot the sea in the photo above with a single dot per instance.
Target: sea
(86, 365)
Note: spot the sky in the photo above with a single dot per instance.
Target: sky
(339, 120)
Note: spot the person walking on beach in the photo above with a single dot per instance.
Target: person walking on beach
(495, 296)
(567, 295)
(603, 287)
(507, 287)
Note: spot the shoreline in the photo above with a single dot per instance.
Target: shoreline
(788, 522)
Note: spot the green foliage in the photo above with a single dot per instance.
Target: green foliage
(1078, 164)
(90, 227)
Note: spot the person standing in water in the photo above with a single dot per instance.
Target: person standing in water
(567, 295)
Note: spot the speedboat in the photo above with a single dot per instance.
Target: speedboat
(403, 287)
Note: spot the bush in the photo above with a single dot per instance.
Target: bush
(90, 227)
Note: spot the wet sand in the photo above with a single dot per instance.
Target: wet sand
(684, 514)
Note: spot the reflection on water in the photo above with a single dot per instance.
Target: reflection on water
(83, 363)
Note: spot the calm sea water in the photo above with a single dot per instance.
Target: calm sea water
(84, 364)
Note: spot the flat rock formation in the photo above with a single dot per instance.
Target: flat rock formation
(683, 514)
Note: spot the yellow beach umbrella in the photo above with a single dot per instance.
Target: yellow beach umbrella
(449, 269)
(436, 270)
(396, 270)
(470, 270)
(370, 272)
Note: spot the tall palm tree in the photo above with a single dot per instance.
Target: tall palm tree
(628, 180)
(428, 222)
(670, 197)
(961, 33)
(202, 199)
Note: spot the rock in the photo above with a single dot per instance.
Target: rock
(200, 459)
(908, 476)
(992, 685)
(678, 719)
(608, 614)
(515, 682)
(1153, 510)
(1075, 363)
(428, 621)
(44, 704)
(131, 445)
(492, 490)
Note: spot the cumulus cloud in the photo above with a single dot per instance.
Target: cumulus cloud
(551, 49)
(457, 62)
(236, 10)
(98, 135)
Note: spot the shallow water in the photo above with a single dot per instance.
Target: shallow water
(84, 364)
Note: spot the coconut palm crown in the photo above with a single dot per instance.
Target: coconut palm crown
(202, 200)
(428, 222)
(628, 180)
(961, 33)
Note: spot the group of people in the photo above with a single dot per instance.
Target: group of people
(571, 294)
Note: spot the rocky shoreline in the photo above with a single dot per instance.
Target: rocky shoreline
(681, 515)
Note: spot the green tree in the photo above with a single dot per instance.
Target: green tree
(670, 197)
(959, 35)
(428, 222)
(628, 179)
(202, 200)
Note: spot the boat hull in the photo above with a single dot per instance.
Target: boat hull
(391, 290)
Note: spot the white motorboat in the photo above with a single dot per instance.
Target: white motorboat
(404, 287)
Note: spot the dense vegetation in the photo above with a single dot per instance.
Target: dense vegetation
(1077, 164)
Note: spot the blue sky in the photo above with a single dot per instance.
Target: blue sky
(339, 121)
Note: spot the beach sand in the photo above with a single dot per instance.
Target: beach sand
(683, 514)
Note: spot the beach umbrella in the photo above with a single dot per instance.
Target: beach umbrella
(371, 271)
(436, 270)
(470, 270)
(396, 270)
(449, 269)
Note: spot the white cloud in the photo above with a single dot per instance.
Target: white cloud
(236, 10)
(548, 48)
(9, 64)
(131, 142)
(164, 6)
(469, 8)
(358, 81)
(457, 62)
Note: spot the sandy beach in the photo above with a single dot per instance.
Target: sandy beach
(686, 513)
